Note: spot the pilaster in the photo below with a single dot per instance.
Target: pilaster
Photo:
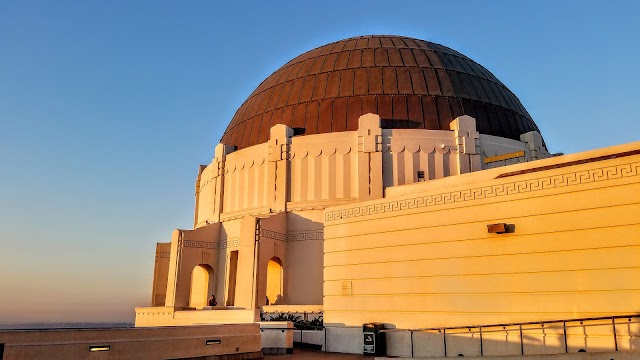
(467, 143)
(535, 146)
(177, 290)
(218, 163)
(278, 166)
(369, 157)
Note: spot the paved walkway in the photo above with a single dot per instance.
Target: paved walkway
(300, 354)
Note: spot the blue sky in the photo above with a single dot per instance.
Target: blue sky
(108, 107)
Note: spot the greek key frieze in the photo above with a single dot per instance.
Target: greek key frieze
(516, 187)
(304, 236)
(272, 235)
(212, 245)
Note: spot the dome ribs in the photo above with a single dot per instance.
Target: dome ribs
(346, 82)
(397, 41)
(417, 81)
(350, 44)
(395, 59)
(294, 95)
(299, 116)
(355, 58)
(404, 81)
(400, 111)
(421, 58)
(362, 43)
(445, 83)
(389, 81)
(369, 105)
(411, 83)
(317, 65)
(414, 109)
(433, 85)
(361, 83)
(385, 107)
(329, 63)
(326, 114)
(339, 122)
(311, 118)
(333, 84)
(374, 76)
(368, 58)
(354, 111)
(320, 86)
(374, 42)
(430, 112)
(307, 89)
(265, 126)
(444, 112)
(287, 117)
(342, 60)
(407, 57)
(381, 57)
(434, 60)
(255, 133)
(456, 107)
(385, 42)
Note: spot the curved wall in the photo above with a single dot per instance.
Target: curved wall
(332, 169)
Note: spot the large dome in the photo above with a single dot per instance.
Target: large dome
(410, 83)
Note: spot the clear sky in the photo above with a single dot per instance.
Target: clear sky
(108, 107)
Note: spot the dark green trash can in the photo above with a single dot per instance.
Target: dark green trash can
(374, 340)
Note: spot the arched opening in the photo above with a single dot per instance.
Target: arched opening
(201, 286)
(275, 281)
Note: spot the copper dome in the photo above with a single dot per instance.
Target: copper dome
(410, 83)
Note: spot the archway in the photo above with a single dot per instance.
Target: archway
(201, 286)
(275, 281)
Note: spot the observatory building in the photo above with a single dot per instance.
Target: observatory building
(395, 180)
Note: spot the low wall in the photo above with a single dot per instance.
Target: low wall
(170, 316)
(134, 343)
(277, 337)
(604, 335)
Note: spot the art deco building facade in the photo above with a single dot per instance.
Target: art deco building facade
(360, 178)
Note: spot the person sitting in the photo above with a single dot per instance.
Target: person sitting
(212, 300)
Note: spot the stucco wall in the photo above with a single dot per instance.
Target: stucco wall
(245, 179)
(160, 274)
(316, 171)
(423, 257)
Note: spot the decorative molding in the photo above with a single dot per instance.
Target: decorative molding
(237, 214)
(306, 235)
(318, 204)
(515, 187)
(268, 234)
(211, 245)
(297, 236)
(163, 254)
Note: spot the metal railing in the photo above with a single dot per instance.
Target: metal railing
(444, 330)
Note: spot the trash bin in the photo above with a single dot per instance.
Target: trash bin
(374, 340)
